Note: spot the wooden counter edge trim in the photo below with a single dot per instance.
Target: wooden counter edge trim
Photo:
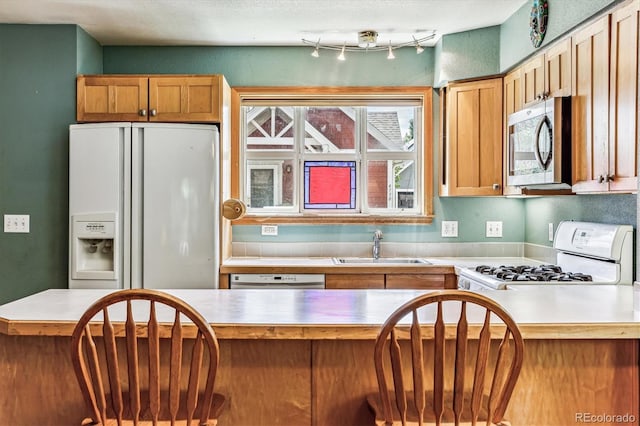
(626, 330)
(339, 269)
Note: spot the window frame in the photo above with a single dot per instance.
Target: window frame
(357, 94)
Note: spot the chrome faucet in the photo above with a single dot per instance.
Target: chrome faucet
(377, 236)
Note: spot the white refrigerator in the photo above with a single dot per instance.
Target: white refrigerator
(143, 205)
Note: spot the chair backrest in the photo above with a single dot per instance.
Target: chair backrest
(113, 392)
(494, 368)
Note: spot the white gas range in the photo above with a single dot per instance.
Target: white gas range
(587, 253)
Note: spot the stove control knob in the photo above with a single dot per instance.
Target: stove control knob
(463, 283)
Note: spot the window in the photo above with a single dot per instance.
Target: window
(342, 154)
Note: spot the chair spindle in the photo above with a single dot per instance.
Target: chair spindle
(94, 367)
(113, 367)
(132, 364)
(175, 367)
(417, 358)
(438, 365)
(194, 376)
(154, 364)
(460, 362)
(398, 380)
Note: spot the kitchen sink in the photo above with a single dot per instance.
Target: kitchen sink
(385, 260)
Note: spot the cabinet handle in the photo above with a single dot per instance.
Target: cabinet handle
(610, 178)
(154, 112)
(496, 186)
(142, 112)
(600, 179)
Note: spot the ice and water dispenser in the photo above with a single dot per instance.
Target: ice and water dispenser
(94, 252)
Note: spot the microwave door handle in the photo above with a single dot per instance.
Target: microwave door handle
(544, 164)
(512, 156)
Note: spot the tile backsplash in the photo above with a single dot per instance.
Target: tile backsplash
(325, 249)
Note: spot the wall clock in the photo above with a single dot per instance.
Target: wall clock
(538, 21)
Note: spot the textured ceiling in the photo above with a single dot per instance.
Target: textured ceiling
(258, 22)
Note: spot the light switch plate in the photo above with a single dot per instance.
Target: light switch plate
(449, 228)
(270, 230)
(16, 223)
(494, 229)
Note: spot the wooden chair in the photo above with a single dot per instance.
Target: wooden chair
(452, 399)
(146, 391)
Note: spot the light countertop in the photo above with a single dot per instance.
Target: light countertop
(258, 264)
(465, 262)
(326, 265)
(564, 312)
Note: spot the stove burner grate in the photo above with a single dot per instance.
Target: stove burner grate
(545, 273)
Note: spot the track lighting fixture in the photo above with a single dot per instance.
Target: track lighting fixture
(368, 42)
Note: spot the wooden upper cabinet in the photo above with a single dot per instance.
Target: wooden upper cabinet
(175, 98)
(184, 98)
(623, 111)
(113, 98)
(605, 102)
(548, 74)
(557, 69)
(472, 151)
(533, 80)
(513, 97)
(513, 101)
(590, 107)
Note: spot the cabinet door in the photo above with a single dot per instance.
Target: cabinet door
(474, 138)
(513, 101)
(557, 72)
(111, 98)
(184, 98)
(623, 111)
(415, 281)
(533, 80)
(590, 107)
(443, 175)
(354, 281)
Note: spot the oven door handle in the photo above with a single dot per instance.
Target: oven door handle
(543, 121)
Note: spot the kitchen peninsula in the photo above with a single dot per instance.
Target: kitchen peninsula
(304, 357)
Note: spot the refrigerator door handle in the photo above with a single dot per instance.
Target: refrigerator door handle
(136, 168)
(126, 203)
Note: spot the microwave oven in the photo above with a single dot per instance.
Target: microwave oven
(539, 145)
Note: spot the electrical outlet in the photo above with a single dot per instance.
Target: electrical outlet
(449, 228)
(551, 232)
(16, 223)
(270, 230)
(494, 229)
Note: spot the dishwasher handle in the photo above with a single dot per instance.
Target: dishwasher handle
(274, 286)
(272, 281)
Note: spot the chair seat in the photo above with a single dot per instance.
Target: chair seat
(164, 418)
(375, 405)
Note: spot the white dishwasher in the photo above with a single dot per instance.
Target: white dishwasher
(276, 281)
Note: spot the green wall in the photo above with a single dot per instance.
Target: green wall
(467, 54)
(539, 212)
(275, 66)
(564, 15)
(37, 103)
(89, 54)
